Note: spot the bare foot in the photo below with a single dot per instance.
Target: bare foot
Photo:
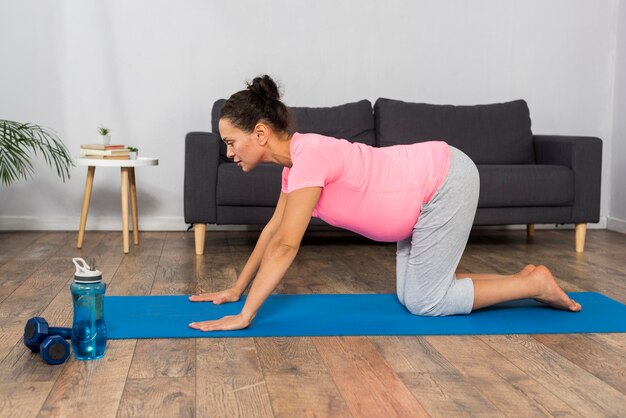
(550, 292)
(527, 270)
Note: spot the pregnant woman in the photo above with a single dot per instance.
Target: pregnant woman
(423, 196)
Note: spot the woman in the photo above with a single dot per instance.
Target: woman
(423, 196)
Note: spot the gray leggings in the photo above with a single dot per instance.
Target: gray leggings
(426, 261)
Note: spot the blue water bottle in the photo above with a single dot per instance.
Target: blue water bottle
(89, 332)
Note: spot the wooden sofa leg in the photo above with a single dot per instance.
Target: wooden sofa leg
(581, 232)
(199, 231)
(530, 230)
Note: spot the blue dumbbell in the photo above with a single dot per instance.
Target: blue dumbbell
(54, 350)
(48, 341)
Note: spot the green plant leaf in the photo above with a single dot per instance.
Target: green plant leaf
(19, 142)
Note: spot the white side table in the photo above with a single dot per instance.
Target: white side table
(128, 179)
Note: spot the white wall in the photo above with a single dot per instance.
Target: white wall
(617, 210)
(151, 70)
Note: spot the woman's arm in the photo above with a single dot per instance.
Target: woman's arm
(252, 265)
(254, 261)
(277, 258)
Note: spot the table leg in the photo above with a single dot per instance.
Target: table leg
(91, 170)
(125, 171)
(133, 205)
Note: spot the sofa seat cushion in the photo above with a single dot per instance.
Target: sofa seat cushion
(525, 185)
(490, 134)
(260, 187)
(515, 185)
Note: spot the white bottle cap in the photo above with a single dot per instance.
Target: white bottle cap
(84, 273)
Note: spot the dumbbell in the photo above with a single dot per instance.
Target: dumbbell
(48, 341)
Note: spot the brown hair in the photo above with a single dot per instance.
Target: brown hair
(260, 102)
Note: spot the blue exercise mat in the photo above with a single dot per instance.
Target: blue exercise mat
(360, 314)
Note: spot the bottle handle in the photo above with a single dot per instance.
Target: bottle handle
(81, 265)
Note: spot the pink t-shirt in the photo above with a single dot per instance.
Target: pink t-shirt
(375, 192)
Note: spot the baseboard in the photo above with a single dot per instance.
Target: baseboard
(173, 223)
(617, 225)
(103, 223)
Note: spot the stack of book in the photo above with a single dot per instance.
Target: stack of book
(104, 152)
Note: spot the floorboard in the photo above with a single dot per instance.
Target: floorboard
(439, 376)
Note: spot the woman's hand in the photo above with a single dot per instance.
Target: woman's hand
(227, 323)
(229, 295)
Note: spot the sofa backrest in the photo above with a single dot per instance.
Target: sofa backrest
(351, 121)
(489, 134)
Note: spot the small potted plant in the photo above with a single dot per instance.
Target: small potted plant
(105, 135)
(133, 152)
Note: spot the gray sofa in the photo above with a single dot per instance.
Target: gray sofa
(524, 178)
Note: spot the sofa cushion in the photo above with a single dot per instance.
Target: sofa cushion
(490, 134)
(501, 186)
(525, 185)
(215, 115)
(351, 121)
(258, 188)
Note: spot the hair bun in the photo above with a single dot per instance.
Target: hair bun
(265, 88)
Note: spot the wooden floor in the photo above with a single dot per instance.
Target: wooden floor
(517, 375)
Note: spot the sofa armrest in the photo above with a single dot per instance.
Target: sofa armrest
(202, 157)
(584, 156)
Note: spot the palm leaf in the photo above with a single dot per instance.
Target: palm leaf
(19, 142)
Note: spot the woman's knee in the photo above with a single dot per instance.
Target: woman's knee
(458, 300)
(438, 309)
(421, 306)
